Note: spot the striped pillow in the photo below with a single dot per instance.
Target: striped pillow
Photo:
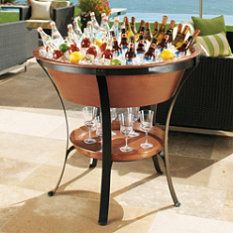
(214, 45)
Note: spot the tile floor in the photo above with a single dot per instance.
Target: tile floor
(32, 144)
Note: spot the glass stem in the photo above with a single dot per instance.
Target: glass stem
(126, 141)
(146, 142)
(89, 132)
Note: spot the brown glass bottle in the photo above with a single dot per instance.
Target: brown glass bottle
(189, 42)
(130, 54)
(124, 42)
(162, 29)
(147, 35)
(141, 45)
(156, 29)
(142, 24)
(180, 37)
(150, 54)
(133, 25)
(170, 31)
(115, 46)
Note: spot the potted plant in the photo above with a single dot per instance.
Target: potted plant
(96, 6)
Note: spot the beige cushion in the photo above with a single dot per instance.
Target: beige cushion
(40, 10)
(35, 23)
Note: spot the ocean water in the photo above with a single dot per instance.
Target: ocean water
(180, 10)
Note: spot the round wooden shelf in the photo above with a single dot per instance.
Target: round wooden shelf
(156, 137)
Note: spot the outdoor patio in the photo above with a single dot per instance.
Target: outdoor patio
(32, 136)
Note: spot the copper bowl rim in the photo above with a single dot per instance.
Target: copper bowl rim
(194, 53)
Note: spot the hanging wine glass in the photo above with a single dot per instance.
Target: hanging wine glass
(126, 127)
(146, 121)
(89, 114)
(135, 112)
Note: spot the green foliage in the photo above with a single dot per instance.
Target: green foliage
(9, 17)
(8, 1)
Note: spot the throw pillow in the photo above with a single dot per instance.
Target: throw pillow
(209, 26)
(214, 45)
(40, 10)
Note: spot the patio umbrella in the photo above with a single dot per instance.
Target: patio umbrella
(200, 8)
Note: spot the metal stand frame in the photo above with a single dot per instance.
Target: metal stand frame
(106, 122)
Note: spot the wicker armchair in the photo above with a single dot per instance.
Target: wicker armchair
(62, 16)
(17, 44)
(206, 100)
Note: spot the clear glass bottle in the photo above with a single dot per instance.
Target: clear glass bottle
(71, 35)
(56, 35)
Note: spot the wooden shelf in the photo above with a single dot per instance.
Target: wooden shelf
(156, 137)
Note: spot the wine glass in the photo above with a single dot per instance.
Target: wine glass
(89, 114)
(99, 130)
(135, 112)
(146, 121)
(126, 127)
(113, 115)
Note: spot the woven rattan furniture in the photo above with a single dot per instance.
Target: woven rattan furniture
(61, 16)
(16, 44)
(206, 100)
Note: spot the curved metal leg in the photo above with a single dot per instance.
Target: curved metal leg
(107, 150)
(67, 150)
(156, 164)
(93, 163)
(166, 154)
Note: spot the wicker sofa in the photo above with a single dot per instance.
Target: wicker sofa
(17, 44)
(206, 100)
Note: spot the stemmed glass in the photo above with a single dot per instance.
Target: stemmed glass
(113, 117)
(126, 127)
(146, 121)
(99, 131)
(89, 114)
(135, 112)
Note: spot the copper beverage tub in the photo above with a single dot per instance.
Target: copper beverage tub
(139, 86)
(118, 87)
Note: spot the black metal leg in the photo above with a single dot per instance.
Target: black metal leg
(166, 154)
(67, 150)
(93, 163)
(156, 164)
(107, 150)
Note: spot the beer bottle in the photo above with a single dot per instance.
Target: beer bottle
(163, 43)
(130, 54)
(128, 30)
(133, 25)
(141, 45)
(189, 42)
(147, 35)
(162, 29)
(170, 31)
(142, 24)
(124, 42)
(180, 37)
(156, 26)
(150, 54)
(116, 49)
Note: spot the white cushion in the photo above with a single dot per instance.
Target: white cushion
(40, 10)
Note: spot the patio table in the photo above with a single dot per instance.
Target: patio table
(118, 87)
